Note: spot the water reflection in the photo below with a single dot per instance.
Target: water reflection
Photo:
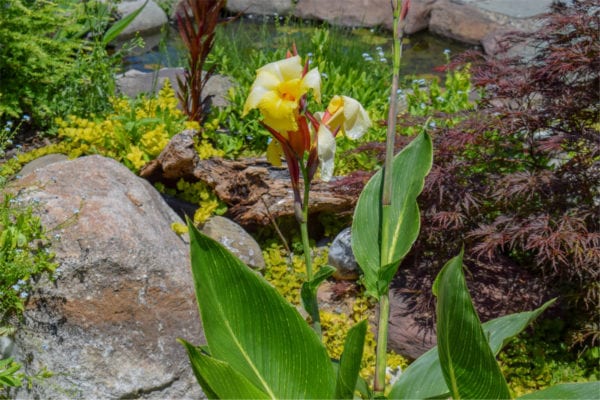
(422, 52)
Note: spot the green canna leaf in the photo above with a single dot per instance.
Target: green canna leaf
(424, 379)
(218, 379)
(308, 292)
(350, 361)
(410, 168)
(467, 361)
(250, 327)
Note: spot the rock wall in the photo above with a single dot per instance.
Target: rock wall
(480, 22)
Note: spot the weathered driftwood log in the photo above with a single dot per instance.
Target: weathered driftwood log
(254, 190)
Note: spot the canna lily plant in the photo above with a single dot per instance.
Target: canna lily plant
(259, 346)
(306, 140)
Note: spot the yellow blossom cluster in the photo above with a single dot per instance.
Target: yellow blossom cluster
(289, 278)
(134, 133)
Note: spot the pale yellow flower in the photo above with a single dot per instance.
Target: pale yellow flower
(346, 115)
(277, 91)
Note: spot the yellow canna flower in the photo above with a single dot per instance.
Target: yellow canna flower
(277, 91)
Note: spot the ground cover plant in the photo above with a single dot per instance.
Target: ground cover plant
(24, 257)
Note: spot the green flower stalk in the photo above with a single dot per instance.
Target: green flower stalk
(400, 10)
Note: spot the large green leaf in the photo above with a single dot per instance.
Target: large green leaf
(350, 361)
(402, 226)
(424, 379)
(218, 377)
(468, 364)
(251, 327)
(587, 390)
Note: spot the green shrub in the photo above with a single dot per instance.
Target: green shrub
(52, 53)
(33, 58)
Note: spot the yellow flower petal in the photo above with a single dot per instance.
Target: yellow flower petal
(312, 80)
(278, 113)
(356, 118)
(274, 153)
(286, 69)
(277, 91)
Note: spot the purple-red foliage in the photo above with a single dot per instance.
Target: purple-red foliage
(517, 182)
(196, 22)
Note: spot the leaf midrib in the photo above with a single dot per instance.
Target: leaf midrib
(245, 355)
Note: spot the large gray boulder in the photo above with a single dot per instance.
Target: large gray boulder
(107, 326)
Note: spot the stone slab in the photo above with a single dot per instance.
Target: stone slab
(512, 8)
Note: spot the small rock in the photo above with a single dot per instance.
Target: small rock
(236, 240)
(342, 258)
(176, 161)
(151, 19)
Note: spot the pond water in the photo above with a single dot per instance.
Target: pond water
(422, 52)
